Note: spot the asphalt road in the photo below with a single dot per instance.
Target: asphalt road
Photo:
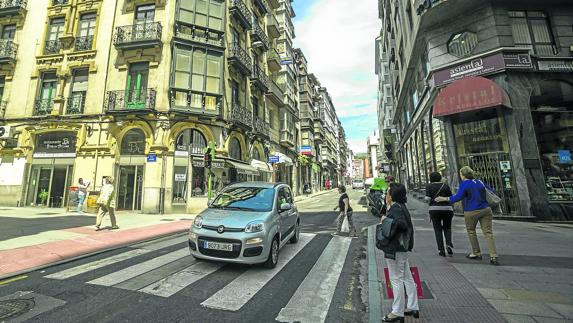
(322, 279)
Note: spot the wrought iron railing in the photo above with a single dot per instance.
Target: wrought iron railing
(138, 32)
(241, 115)
(43, 107)
(260, 78)
(199, 34)
(242, 11)
(8, 49)
(241, 56)
(260, 126)
(59, 2)
(260, 35)
(76, 103)
(263, 6)
(84, 43)
(118, 101)
(52, 47)
(5, 4)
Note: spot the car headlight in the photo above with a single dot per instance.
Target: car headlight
(255, 226)
(198, 223)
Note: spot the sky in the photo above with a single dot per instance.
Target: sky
(337, 38)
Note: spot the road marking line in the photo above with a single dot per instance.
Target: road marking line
(136, 270)
(311, 301)
(237, 293)
(74, 271)
(178, 281)
(11, 280)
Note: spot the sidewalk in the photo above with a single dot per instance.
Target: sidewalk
(533, 284)
(309, 196)
(36, 237)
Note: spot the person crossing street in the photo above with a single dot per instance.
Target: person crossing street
(345, 212)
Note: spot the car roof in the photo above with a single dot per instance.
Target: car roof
(257, 184)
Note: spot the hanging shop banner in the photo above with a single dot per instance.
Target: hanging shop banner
(214, 164)
(55, 144)
(565, 156)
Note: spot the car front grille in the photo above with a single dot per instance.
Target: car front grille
(220, 253)
(214, 228)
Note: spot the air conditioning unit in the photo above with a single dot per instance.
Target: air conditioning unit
(5, 132)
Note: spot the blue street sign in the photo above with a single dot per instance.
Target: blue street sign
(565, 156)
(273, 159)
(151, 158)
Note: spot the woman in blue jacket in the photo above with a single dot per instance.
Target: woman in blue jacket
(476, 209)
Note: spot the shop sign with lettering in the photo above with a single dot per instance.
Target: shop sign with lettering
(478, 66)
(517, 60)
(562, 65)
(214, 164)
(56, 144)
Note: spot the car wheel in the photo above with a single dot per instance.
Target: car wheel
(273, 258)
(295, 237)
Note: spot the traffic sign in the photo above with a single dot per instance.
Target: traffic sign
(151, 158)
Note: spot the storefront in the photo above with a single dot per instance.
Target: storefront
(51, 170)
(284, 168)
(130, 170)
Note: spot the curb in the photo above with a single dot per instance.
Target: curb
(63, 261)
(374, 295)
(306, 197)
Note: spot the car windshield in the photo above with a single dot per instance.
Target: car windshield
(256, 199)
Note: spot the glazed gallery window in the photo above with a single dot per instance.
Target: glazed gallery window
(197, 78)
(531, 29)
(133, 143)
(206, 13)
(462, 44)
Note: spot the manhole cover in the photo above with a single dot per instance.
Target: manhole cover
(15, 307)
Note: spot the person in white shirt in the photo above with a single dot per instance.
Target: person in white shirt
(82, 193)
(106, 202)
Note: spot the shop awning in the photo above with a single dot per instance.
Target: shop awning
(284, 159)
(469, 94)
(261, 166)
(243, 168)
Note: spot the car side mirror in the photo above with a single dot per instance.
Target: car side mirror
(285, 207)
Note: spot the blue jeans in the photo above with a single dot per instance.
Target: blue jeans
(81, 198)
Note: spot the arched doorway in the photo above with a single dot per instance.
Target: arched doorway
(189, 176)
(131, 169)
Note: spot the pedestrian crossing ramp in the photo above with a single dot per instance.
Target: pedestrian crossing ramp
(172, 272)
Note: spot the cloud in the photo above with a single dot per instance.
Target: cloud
(337, 38)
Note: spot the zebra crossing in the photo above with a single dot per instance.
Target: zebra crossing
(174, 270)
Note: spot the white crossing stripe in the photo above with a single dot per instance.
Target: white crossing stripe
(237, 293)
(312, 299)
(176, 282)
(136, 270)
(74, 271)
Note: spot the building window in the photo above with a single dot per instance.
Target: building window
(257, 154)
(136, 85)
(79, 89)
(191, 140)
(235, 149)
(133, 143)
(531, 29)
(206, 13)
(462, 44)
(235, 93)
(2, 81)
(46, 93)
(55, 31)
(198, 70)
(86, 31)
(145, 13)
(256, 107)
(9, 32)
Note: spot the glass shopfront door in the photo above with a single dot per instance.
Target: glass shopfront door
(47, 185)
(129, 187)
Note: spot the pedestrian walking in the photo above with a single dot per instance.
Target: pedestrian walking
(441, 213)
(396, 255)
(106, 202)
(345, 212)
(476, 209)
(327, 184)
(83, 186)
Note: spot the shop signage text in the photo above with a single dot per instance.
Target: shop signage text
(214, 164)
(565, 156)
(555, 65)
(151, 158)
(273, 159)
(306, 150)
(180, 177)
(55, 144)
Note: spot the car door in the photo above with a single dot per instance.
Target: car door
(283, 215)
(292, 213)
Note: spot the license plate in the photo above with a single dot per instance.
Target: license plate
(218, 246)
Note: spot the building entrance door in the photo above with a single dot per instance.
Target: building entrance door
(129, 187)
(47, 185)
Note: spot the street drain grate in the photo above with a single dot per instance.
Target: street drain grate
(15, 307)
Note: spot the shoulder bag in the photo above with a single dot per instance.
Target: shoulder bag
(492, 199)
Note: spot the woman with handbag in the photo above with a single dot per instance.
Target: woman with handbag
(396, 245)
(474, 194)
(441, 213)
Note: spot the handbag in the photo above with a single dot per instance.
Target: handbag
(433, 198)
(385, 231)
(492, 199)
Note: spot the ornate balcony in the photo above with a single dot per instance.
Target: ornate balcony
(8, 50)
(258, 35)
(240, 59)
(138, 35)
(239, 10)
(261, 127)
(199, 34)
(260, 79)
(241, 116)
(193, 102)
(84, 43)
(276, 93)
(274, 4)
(76, 104)
(263, 6)
(274, 60)
(12, 7)
(52, 47)
(43, 107)
(130, 101)
(273, 27)
(60, 2)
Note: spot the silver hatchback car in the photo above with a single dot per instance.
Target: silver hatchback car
(246, 223)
